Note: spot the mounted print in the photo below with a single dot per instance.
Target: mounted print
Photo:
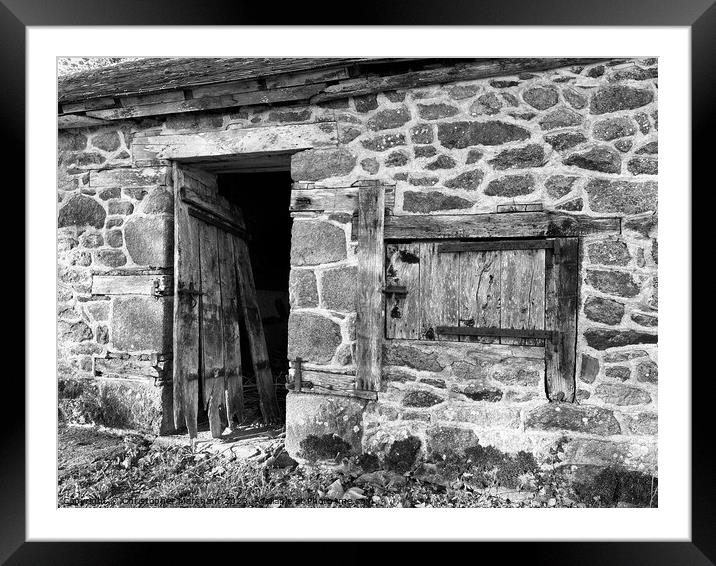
(318, 282)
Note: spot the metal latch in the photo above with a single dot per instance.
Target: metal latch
(162, 286)
(395, 290)
(182, 290)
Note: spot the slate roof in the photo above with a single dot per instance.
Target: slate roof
(170, 73)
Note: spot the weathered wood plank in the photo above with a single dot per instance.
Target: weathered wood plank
(223, 89)
(68, 121)
(332, 200)
(212, 327)
(306, 78)
(562, 276)
(439, 290)
(522, 292)
(210, 102)
(325, 383)
(186, 315)
(480, 69)
(230, 318)
(131, 284)
(214, 206)
(479, 292)
(89, 104)
(402, 310)
(495, 225)
(255, 332)
(125, 367)
(291, 137)
(495, 245)
(152, 98)
(163, 73)
(370, 317)
(512, 333)
(126, 177)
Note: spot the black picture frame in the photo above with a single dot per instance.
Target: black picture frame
(698, 15)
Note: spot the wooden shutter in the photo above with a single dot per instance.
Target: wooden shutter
(519, 292)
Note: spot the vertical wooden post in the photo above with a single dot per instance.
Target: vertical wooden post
(561, 296)
(369, 299)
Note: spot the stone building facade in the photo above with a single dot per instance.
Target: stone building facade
(578, 139)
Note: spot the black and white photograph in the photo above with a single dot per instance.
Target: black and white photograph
(389, 279)
(358, 282)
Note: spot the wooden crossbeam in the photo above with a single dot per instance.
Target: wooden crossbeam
(494, 331)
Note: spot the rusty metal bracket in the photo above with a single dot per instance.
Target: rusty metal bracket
(162, 286)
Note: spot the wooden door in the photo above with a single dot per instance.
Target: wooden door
(214, 293)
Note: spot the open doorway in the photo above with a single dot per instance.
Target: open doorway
(232, 251)
(264, 198)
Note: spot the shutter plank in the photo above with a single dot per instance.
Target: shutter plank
(212, 330)
(370, 316)
(480, 276)
(186, 316)
(439, 290)
(230, 315)
(562, 276)
(522, 292)
(255, 332)
(402, 311)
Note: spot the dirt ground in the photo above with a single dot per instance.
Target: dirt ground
(100, 467)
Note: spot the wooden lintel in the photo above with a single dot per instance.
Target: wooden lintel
(275, 139)
(495, 225)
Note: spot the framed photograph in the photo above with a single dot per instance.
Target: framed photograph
(404, 288)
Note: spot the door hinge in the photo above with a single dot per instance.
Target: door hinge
(162, 286)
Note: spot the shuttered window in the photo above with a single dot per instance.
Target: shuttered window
(517, 292)
(433, 289)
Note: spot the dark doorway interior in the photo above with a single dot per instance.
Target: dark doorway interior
(264, 199)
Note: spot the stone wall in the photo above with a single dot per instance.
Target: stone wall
(114, 220)
(580, 140)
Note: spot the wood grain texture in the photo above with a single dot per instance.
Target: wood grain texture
(186, 314)
(224, 143)
(495, 331)
(332, 200)
(469, 70)
(495, 245)
(402, 311)
(218, 206)
(370, 317)
(562, 283)
(212, 327)
(514, 225)
(328, 383)
(203, 103)
(522, 293)
(234, 395)
(255, 332)
(439, 290)
(479, 302)
(129, 284)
